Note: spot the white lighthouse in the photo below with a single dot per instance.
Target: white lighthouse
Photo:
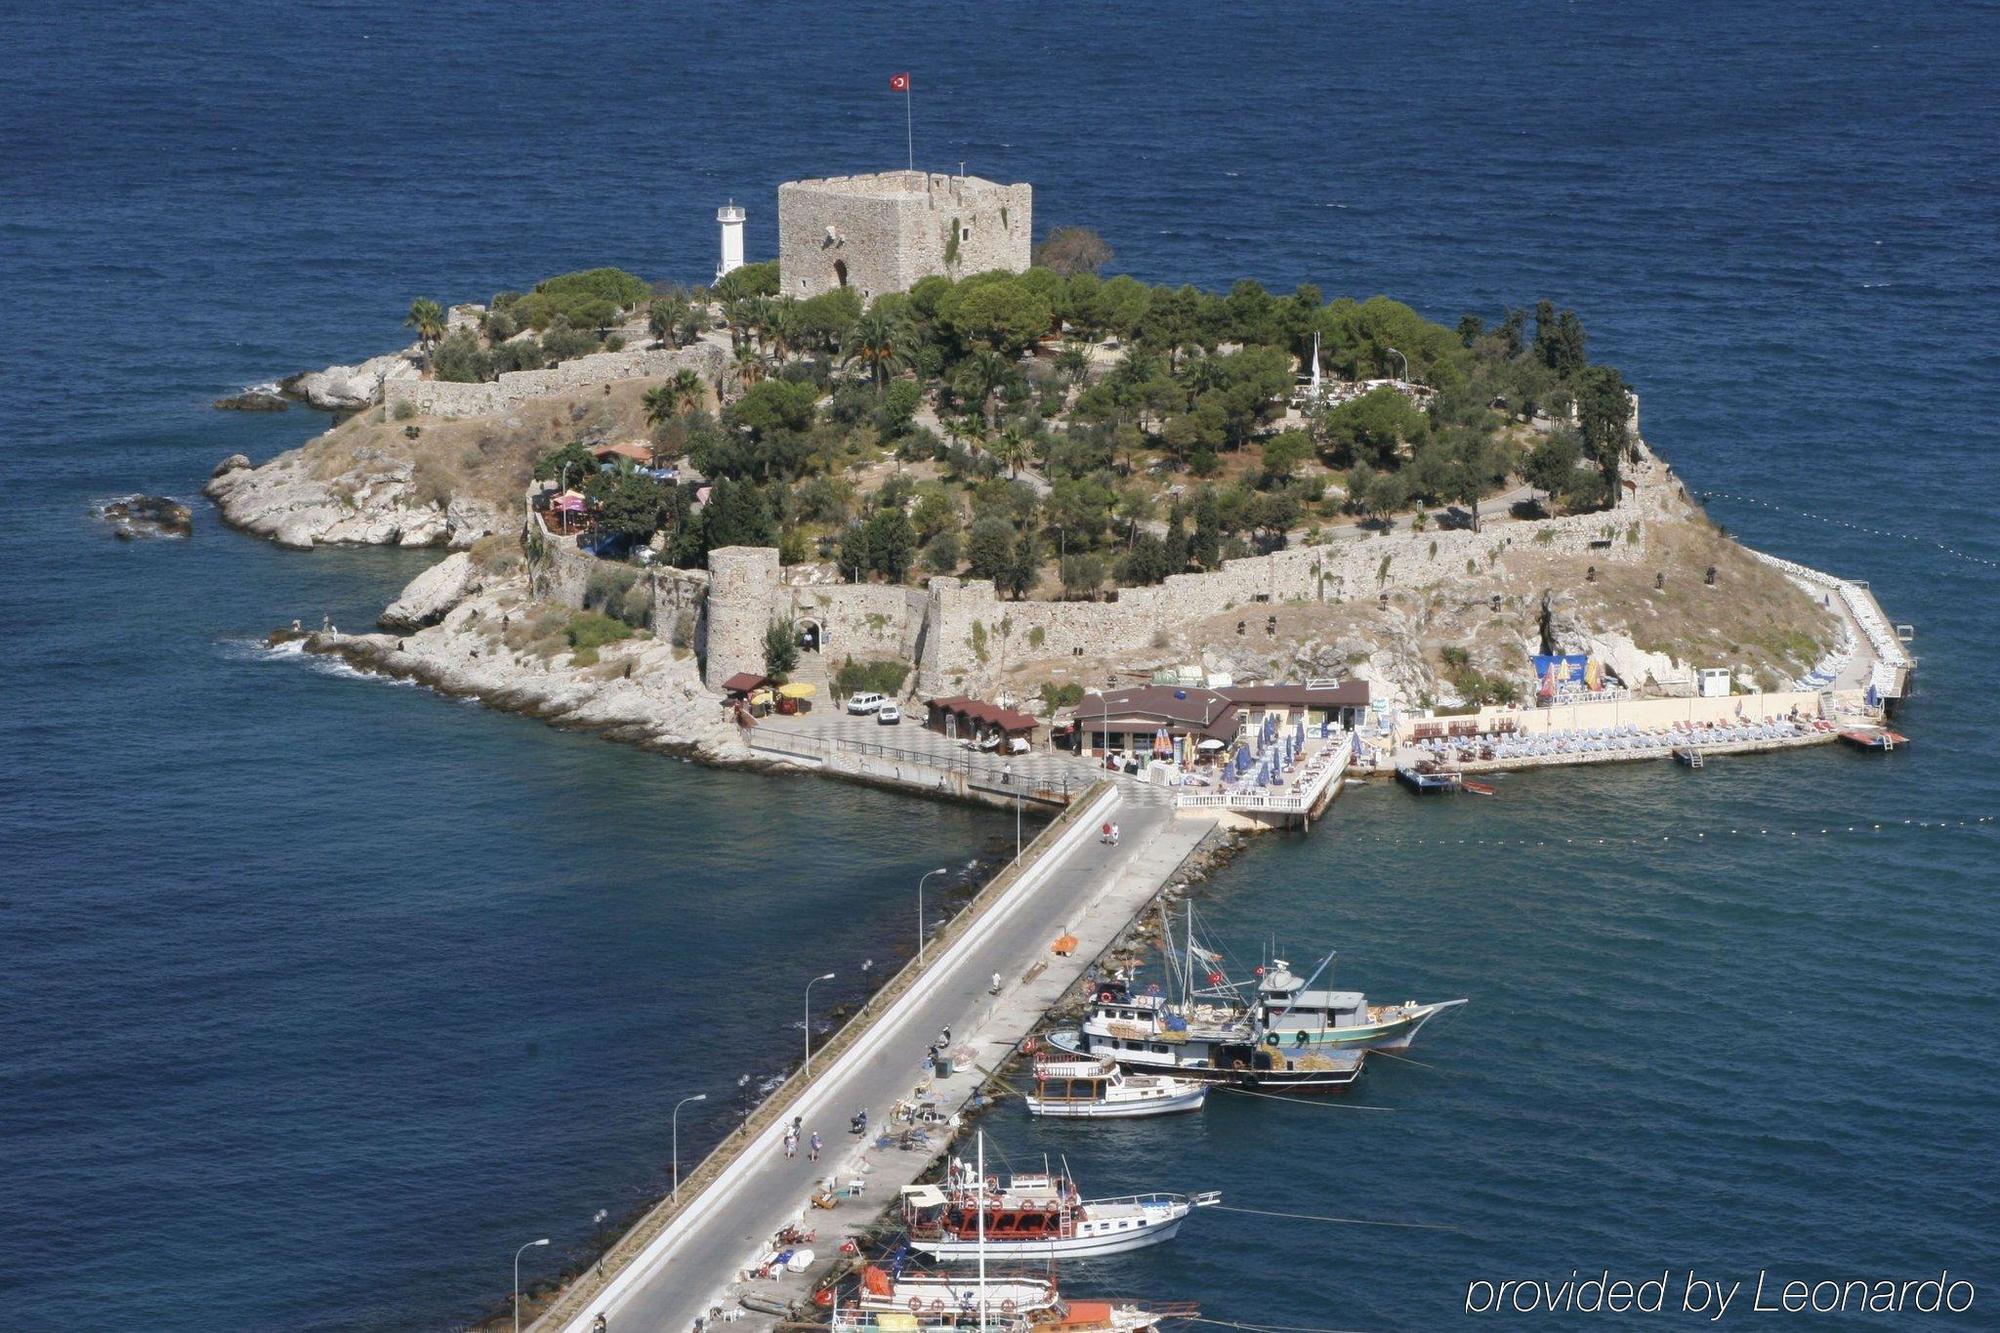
(730, 218)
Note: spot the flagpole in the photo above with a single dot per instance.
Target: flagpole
(909, 126)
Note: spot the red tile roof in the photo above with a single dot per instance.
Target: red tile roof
(993, 715)
(745, 681)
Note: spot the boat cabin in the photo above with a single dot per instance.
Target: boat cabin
(1284, 1002)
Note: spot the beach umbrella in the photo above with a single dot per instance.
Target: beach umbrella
(798, 689)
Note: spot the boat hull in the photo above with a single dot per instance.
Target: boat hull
(1395, 1035)
(1190, 1100)
(1074, 1247)
(1236, 1073)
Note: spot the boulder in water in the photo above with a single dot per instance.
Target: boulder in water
(259, 399)
(138, 516)
(233, 463)
(431, 594)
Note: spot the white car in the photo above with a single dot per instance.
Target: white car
(889, 715)
(865, 703)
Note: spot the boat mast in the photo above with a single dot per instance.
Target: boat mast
(981, 1178)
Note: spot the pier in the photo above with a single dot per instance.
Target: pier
(681, 1260)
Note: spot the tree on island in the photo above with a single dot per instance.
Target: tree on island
(879, 341)
(1551, 466)
(781, 648)
(427, 317)
(1072, 250)
(682, 393)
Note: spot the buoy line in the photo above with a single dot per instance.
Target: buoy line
(1699, 836)
(1910, 537)
(1266, 1328)
(1302, 1101)
(1344, 1221)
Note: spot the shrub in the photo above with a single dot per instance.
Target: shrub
(781, 648)
(878, 676)
(405, 410)
(1055, 696)
(589, 631)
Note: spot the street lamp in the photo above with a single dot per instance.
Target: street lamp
(698, 1097)
(1400, 357)
(920, 912)
(809, 1020)
(517, 1279)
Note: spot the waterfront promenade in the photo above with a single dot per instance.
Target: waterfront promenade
(1078, 885)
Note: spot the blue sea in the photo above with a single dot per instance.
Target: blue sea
(318, 996)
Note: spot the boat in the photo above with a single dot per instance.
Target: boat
(1472, 788)
(1097, 1089)
(1037, 1216)
(1273, 1032)
(892, 1301)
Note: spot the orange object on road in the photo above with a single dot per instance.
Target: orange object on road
(1064, 946)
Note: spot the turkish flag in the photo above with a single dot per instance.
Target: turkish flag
(899, 83)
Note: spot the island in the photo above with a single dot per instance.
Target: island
(919, 456)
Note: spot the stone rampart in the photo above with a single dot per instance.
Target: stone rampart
(450, 401)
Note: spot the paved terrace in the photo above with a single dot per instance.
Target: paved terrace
(676, 1264)
(910, 755)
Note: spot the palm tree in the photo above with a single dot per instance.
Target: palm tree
(782, 327)
(427, 318)
(1074, 360)
(880, 342)
(1011, 449)
(982, 375)
(749, 366)
(686, 391)
(659, 402)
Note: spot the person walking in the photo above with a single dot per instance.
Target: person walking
(996, 985)
(812, 1149)
(791, 1142)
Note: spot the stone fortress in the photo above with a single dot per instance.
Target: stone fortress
(883, 232)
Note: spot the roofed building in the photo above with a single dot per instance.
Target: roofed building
(1131, 720)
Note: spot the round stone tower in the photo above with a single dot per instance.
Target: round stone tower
(744, 589)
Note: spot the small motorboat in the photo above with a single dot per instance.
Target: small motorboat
(1098, 1089)
(1471, 788)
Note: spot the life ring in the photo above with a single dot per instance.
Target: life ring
(1007, 1306)
(937, 1307)
(916, 1305)
(1270, 1039)
(1260, 971)
(993, 1183)
(1106, 997)
(1153, 988)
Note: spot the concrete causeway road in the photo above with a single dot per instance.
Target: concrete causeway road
(1087, 887)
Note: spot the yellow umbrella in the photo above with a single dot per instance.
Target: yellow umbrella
(760, 696)
(798, 689)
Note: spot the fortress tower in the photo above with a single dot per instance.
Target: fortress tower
(743, 590)
(730, 218)
(881, 233)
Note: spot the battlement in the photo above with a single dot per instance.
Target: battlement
(883, 232)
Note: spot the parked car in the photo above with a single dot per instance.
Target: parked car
(865, 702)
(889, 715)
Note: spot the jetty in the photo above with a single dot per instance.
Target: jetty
(1039, 924)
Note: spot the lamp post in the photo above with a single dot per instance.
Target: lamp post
(517, 1279)
(698, 1097)
(809, 1019)
(1400, 357)
(921, 932)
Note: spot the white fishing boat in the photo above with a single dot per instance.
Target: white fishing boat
(1039, 1216)
(1097, 1089)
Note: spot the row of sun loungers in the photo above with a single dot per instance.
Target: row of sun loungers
(1628, 739)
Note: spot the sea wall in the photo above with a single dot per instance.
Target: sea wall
(441, 398)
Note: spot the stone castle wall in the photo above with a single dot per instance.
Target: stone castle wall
(440, 398)
(890, 230)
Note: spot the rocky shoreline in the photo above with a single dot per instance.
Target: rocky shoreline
(640, 691)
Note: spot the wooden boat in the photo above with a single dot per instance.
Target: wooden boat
(1472, 788)
(1099, 1090)
(1035, 1216)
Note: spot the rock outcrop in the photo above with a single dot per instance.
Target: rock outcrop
(349, 388)
(641, 691)
(373, 503)
(138, 516)
(431, 594)
(259, 399)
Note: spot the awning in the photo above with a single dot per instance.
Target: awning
(743, 682)
(923, 1196)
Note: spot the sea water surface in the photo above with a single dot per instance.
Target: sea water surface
(321, 995)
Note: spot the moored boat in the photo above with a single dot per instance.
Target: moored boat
(1098, 1089)
(1035, 1216)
